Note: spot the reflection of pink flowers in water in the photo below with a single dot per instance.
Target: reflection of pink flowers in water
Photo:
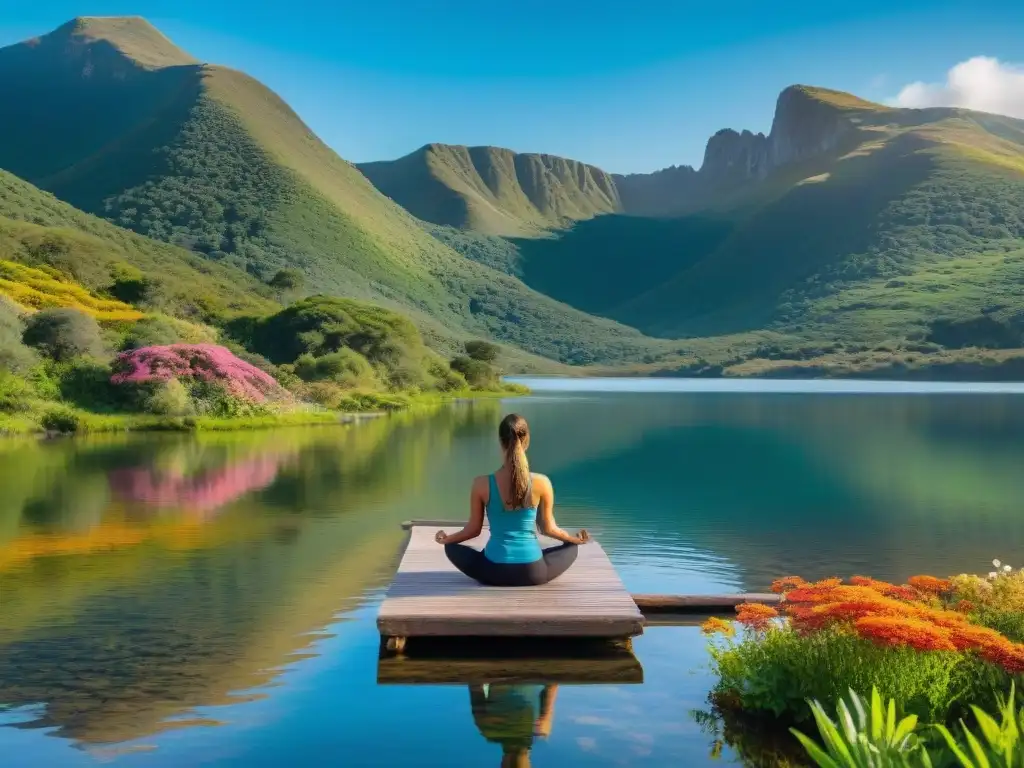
(201, 362)
(204, 492)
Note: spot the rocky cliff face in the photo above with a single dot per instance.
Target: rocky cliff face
(805, 126)
(807, 123)
(654, 194)
(732, 156)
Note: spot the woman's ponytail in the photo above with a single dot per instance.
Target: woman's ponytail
(514, 435)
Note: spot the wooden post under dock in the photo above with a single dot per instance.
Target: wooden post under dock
(430, 598)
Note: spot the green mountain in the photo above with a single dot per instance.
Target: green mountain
(39, 230)
(494, 191)
(852, 229)
(110, 117)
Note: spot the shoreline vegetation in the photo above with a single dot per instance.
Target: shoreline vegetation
(74, 360)
(939, 650)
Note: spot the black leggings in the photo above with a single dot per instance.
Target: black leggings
(553, 563)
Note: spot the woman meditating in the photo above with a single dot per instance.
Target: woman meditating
(516, 503)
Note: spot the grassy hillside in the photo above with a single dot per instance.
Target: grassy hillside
(209, 159)
(492, 190)
(36, 229)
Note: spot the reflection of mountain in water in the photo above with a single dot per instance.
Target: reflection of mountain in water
(116, 641)
(116, 618)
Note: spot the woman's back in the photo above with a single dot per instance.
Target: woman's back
(513, 532)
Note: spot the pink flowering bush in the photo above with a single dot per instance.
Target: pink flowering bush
(216, 380)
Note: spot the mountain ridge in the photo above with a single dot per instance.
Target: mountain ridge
(207, 158)
(471, 188)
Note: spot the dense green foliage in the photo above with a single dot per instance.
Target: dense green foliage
(870, 736)
(39, 230)
(482, 350)
(63, 334)
(14, 355)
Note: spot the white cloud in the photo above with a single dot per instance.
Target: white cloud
(981, 83)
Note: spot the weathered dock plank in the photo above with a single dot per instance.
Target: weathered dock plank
(429, 597)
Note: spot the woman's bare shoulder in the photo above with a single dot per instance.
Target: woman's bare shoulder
(541, 481)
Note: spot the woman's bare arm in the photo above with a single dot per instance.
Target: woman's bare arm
(477, 502)
(546, 515)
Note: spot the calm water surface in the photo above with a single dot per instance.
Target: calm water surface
(210, 600)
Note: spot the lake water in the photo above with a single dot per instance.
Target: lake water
(176, 600)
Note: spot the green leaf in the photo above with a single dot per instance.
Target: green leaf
(979, 752)
(905, 728)
(877, 717)
(963, 757)
(816, 753)
(989, 727)
(891, 734)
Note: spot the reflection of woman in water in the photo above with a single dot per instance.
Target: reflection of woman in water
(515, 502)
(512, 715)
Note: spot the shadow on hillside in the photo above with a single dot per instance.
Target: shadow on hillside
(808, 231)
(606, 261)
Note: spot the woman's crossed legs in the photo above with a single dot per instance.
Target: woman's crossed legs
(553, 563)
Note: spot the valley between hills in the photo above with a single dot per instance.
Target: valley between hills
(854, 239)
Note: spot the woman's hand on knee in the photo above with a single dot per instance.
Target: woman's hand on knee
(441, 537)
(582, 537)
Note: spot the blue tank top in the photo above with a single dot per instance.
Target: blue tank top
(513, 532)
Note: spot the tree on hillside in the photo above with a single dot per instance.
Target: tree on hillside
(482, 350)
(63, 333)
(130, 285)
(287, 279)
(478, 374)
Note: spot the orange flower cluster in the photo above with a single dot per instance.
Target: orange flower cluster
(894, 615)
(755, 615)
(787, 583)
(717, 626)
(930, 584)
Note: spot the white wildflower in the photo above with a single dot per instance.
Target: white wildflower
(996, 563)
(992, 574)
(1007, 568)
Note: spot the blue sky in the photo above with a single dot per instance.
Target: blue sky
(630, 86)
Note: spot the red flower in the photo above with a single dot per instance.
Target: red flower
(787, 583)
(755, 615)
(930, 584)
(900, 631)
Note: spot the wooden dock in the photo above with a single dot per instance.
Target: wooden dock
(430, 598)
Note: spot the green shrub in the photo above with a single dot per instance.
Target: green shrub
(151, 332)
(346, 368)
(15, 393)
(14, 355)
(780, 670)
(130, 285)
(482, 350)
(170, 398)
(478, 374)
(86, 383)
(63, 333)
(322, 326)
(288, 279)
(445, 378)
(60, 419)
